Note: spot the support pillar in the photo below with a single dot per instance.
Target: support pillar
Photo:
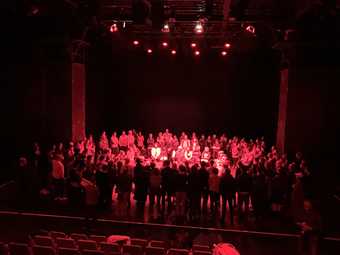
(78, 90)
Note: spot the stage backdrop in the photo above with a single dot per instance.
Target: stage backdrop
(237, 95)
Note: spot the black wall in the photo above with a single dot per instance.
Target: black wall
(128, 89)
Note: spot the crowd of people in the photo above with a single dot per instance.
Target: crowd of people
(188, 176)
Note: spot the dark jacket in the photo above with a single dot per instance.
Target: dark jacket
(227, 185)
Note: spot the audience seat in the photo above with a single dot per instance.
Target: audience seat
(3, 248)
(87, 245)
(141, 242)
(92, 252)
(68, 251)
(178, 252)
(154, 251)
(77, 236)
(43, 240)
(19, 249)
(65, 242)
(197, 247)
(97, 239)
(132, 249)
(159, 244)
(43, 250)
(55, 234)
(196, 252)
(109, 248)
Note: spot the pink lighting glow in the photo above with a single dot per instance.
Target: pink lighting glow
(193, 45)
(165, 44)
(149, 51)
(250, 29)
(135, 42)
(173, 52)
(197, 53)
(227, 45)
(224, 53)
(114, 28)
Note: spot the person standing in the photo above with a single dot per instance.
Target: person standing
(227, 190)
(141, 180)
(204, 176)
(214, 189)
(155, 185)
(181, 193)
(58, 174)
(194, 193)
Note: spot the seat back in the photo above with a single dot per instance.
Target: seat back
(3, 248)
(18, 249)
(132, 249)
(141, 242)
(160, 244)
(55, 234)
(197, 247)
(43, 240)
(87, 245)
(77, 236)
(154, 250)
(201, 252)
(178, 252)
(110, 248)
(97, 239)
(65, 242)
(68, 251)
(43, 250)
(92, 252)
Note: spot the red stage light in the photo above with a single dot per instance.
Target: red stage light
(227, 45)
(149, 51)
(224, 53)
(114, 28)
(135, 42)
(173, 52)
(165, 44)
(193, 45)
(197, 53)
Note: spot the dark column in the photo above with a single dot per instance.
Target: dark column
(282, 118)
(78, 90)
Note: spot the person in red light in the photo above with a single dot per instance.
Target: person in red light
(140, 141)
(185, 143)
(104, 142)
(114, 143)
(123, 142)
(131, 139)
(206, 155)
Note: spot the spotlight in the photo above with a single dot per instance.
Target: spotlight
(227, 45)
(250, 29)
(173, 52)
(193, 45)
(197, 53)
(224, 53)
(114, 28)
(166, 28)
(135, 42)
(149, 51)
(165, 44)
(199, 28)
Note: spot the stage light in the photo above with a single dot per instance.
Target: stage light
(165, 44)
(114, 28)
(227, 45)
(250, 29)
(149, 51)
(135, 42)
(173, 52)
(199, 28)
(166, 28)
(224, 53)
(193, 45)
(197, 53)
